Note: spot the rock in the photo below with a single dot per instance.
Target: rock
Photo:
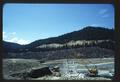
(57, 74)
(39, 72)
(42, 61)
(105, 74)
(55, 78)
(55, 69)
(81, 75)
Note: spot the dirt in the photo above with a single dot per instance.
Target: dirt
(12, 66)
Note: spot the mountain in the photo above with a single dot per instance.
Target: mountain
(11, 47)
(87, 33)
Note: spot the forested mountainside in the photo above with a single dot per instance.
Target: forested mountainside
(87, 37)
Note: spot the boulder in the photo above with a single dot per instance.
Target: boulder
(39, 72)
(55, 69)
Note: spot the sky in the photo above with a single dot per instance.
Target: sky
(25, 23)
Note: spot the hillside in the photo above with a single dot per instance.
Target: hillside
(87, 33)
(86, 37)
(90, 46)
(84, 52)
(11, 47)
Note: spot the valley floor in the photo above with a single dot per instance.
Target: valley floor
(105, 68)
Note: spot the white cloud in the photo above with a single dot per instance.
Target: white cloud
(22, 41)
(94, 25)
(13, 38)
(105, 16)
(104, 13)
(4, 35)
(98, 25)
(19, 41)
(13, 33)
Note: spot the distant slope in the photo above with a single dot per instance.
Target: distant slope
(83, 52)
(11, 47)
(87, 33)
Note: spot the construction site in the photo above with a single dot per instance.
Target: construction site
(66, 69)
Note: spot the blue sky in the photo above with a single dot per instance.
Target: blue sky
(25, 23)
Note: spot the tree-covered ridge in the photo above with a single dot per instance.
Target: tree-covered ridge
(88, 36)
